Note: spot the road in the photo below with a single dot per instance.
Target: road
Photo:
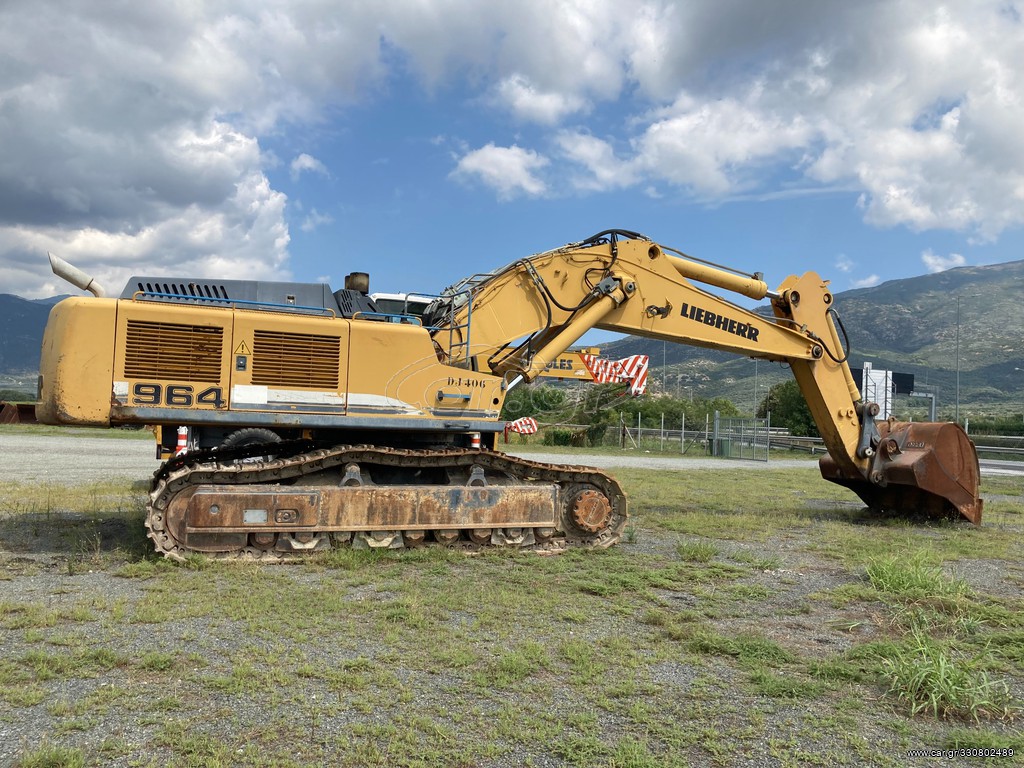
(68, 459)
(1002, 467)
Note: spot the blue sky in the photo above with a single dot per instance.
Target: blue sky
(424, 141)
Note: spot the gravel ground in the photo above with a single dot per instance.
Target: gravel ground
(72, 459)
(37, 459)
(89, 459)
(36, 568)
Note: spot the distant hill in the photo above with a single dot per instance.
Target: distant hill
(22, 321)
(909, 326)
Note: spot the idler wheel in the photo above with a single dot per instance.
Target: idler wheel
(591, 511)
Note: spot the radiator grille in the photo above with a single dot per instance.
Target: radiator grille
(172, 351)
(295, 360)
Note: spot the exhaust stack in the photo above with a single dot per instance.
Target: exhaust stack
(75, 276)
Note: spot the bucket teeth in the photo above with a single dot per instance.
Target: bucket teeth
(919, 469)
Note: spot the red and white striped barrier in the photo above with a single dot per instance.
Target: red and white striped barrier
(182, 446)
(524, 426)
(632, 369)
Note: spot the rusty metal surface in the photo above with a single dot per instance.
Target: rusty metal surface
(365, 508)
(919, 468)
(289, 505)
(17, 413)
(591, 510)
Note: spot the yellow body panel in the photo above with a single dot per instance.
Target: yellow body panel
(169, 360)
(76, 363)
(395, 366)
(107, 361)
(569, 365)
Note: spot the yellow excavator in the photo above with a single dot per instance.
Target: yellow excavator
(293, 417)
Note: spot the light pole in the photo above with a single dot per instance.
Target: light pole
(956, 416)
(1021, 370)
(664, 369)
(755, 387)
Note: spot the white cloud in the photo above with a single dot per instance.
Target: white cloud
(517, 94)
(935, 263)
(193, 242)
(306, 163)
(200, 206)
(579, 50)
(510, 171)
(711, 147)
(867, 282)
(122, 124)
(843, 264)
(315, 219)
(602, 170)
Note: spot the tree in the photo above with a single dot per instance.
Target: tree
(593, 408)
(533, 400)
(16, 396)
(789, 409)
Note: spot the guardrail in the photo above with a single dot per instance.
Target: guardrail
(810, 444)
(998, 449)
(816, 445)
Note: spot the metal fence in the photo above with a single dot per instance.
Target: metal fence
(741, 438)
(728, 438)
(749, 439)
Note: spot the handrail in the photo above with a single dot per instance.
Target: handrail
(466, 326)
(389, 316)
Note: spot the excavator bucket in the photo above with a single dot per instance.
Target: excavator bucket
(919, 468)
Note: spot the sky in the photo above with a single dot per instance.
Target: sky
(425, 140)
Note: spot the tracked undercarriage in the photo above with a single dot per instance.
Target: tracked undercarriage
(238, 504)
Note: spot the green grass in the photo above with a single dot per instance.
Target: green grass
(52, 756)
(751, 650)
(46, 430)
(682, 647)
(928, 677)
(914, 577)
(784, 686)
(697, 551)
(942, 665)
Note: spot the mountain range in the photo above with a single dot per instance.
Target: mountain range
(968, 319)
(22, 321)
(958, 332)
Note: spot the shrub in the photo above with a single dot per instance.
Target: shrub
(557, 436)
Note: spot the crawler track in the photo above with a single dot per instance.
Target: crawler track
(589, 508)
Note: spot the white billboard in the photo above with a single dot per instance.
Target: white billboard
(877, 387)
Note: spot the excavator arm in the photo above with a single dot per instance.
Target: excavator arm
(514, 321)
